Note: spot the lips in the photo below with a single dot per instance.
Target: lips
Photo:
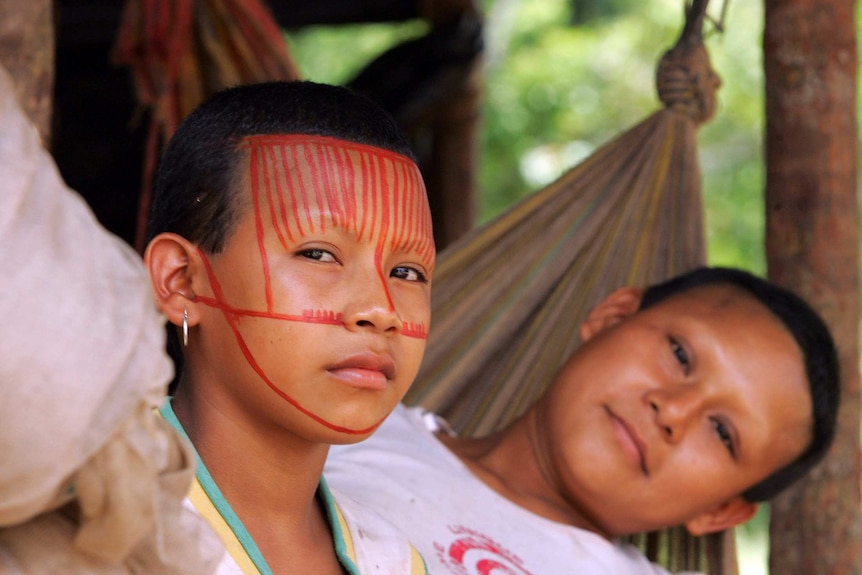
(629, 439)
(364, 370)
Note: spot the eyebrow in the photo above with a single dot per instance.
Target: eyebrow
(423, 248)
(418, 244)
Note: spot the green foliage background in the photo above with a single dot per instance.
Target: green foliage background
(562, 80)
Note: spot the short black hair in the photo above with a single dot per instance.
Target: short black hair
(818, 352)
(196, 183)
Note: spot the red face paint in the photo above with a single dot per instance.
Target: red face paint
(305, 187)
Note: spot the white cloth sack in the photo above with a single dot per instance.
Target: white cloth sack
(82, 367)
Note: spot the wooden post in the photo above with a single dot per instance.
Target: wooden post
(450, 170)
(27, 51)
(812, 246)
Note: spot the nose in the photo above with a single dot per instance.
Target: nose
(371, 306)
(674, 408)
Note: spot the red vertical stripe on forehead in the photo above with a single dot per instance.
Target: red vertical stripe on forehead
(313, 195)
(420, 207)
(384, 197)
(326, 192)
(373, 192)
(274, 195)
(349, 180)
(295, 188)
(255, 165)
(365, 196)
(396, 207)
(286, 190)
(406, 207)
(412, 221)
(385, 221)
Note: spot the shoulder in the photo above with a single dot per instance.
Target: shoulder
(370, 542)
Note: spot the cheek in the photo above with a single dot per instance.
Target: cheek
(298, 292)
(413, 305)
(269, 334)
(415, 347)
(701, 473)
(410, 360)
(239, 286)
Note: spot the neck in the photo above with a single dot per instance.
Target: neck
(265, 474)
(515, 463)
(267, 461)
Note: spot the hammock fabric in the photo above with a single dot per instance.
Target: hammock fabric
(509, 297)
(181, 51)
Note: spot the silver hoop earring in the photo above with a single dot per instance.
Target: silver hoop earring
(185, 326)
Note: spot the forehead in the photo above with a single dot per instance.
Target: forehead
(305, 183)
(325, 165)
(728, 319)
(719, 303)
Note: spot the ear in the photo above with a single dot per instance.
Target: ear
(169, 260)
(610, 311)
(729, 514)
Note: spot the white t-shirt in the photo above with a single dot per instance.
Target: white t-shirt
(459, 524)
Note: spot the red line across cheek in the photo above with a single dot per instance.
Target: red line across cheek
(307, 316)
(258, 222)
(218, 301)
(378, 263)
(409, 329)
(414, 330)
(231, 317)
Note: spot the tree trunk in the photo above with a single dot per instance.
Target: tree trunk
(812, 246)
(27, 51)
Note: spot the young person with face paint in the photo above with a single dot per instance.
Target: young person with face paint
(292, 249)
(686, 404)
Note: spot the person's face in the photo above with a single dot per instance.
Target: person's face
(320, 300)
(665, 416)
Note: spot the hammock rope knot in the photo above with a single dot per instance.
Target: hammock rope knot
(686, 81)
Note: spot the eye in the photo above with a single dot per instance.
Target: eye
(724, 434)
(318, 255)
(409, 274)
(680, 354)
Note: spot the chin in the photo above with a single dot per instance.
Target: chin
(354, 426)
(345, 439)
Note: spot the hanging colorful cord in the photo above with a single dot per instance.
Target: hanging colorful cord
(181, 51)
